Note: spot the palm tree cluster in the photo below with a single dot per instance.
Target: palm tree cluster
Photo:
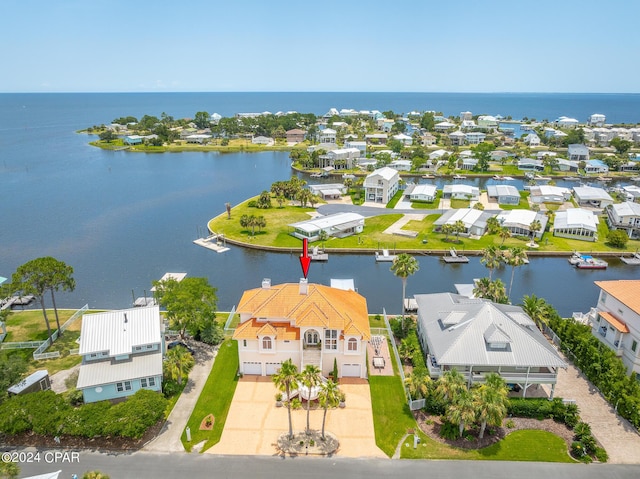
(483, 405)
(287, 380)
(404, 265)
(251, 221)
(453, 228)
(493, 257)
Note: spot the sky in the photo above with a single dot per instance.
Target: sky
(580, 46)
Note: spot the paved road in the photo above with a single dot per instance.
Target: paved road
(369, 211)
(143, 465)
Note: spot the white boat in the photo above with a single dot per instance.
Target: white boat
(459, 177)
(428, 177)
(575, 258)
(498, 177)
(604, 178)
(589, 262)
(385, 256)
(571, 178)
(507, 178)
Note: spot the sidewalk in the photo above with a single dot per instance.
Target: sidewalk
(169, 438)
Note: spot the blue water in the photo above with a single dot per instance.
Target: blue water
(124, 219)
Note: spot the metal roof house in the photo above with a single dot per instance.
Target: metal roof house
(37, 381)
(461, 192)
(519, 222)
(381, 184)
(549, 194)
(121, 353)
(338, 225)
(477, 337)
(504, 194)
(421, 192)
(625, 216)
(475, 221)
(576, 223)
(592, 197)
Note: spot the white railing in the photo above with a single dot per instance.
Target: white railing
(74, 318)
(54, 354)
(229, 319)
(22, 345)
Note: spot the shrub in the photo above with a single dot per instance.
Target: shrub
(510, 424)
(601, 455)
(252, 204)
(449, 431)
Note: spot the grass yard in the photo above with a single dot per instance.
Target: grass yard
(428, 205)
(522, 205)
(215, 398)
(459, 204)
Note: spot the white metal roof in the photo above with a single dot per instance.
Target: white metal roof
(576, 218)
(385, 172)
(589, 193)
(518, 218)
(28, 381)
(502, 190)
(326, 222)
(424, 189)
(98, 373)
(117, 332)
(627, 208)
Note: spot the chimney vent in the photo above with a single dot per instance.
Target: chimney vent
(304, 286)
(266, 283)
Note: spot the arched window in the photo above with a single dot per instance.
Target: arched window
(266, 342)
(352, 344)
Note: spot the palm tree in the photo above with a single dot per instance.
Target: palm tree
(491, 258)
(61, 278)
(534, 227)
(310, 377)
(493, 225)
(491, 402)
(450, 385)
(458, 227)
(537, 308)
(286, 377)
(418, 384)
(177, 363)
(504, 234)
(329, 396)
(491, 290)
(514, 257)
(447, 229)
(462, 411)
(404, 266)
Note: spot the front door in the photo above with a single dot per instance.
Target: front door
(311, 338)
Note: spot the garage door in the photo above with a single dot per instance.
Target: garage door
(351, 370)
(272, 368)
(252, 368)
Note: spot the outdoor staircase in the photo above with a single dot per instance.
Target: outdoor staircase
(312, 356)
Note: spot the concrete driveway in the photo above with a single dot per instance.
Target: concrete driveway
(254, 422)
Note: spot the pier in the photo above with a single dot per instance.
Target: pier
(214, 242)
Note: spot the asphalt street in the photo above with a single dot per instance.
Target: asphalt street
(142, 465)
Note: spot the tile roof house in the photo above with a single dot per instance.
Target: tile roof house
(307, 323)
(615, 320)
(121, 353)
(477, 337)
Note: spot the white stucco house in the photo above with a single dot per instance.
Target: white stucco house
(474, 221)
(592, 196)
(337, 225)
(381, 184)
(615, 320)
(518, 222)
(422, 192)
(307, 323)
(625, 216)
(461, 192)
(549, 194)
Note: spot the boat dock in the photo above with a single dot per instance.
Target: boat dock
(317, 254)
(633, 260)
(454, 257)
(12, 301)
(385, 256)
(214, 242)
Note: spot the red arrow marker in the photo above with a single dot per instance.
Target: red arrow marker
(305, 261)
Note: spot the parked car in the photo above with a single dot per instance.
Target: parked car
(173, 344)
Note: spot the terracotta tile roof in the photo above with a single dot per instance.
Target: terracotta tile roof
(627, 291)
(252, 329)
(322, 306)
(613, 321)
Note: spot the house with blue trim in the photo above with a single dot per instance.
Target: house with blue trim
(121, 353)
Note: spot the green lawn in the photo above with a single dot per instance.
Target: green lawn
(523, 204)
(391, 415)
(457, 203)
(428, 205)
(215, 398)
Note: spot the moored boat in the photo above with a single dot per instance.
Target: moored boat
(589, 262)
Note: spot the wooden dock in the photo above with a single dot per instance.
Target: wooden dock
(317, 254)
(454, 257)
(213, 242)
(632, 260)
(12, 301)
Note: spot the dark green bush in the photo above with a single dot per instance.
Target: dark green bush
(601, 455)
(449, 431)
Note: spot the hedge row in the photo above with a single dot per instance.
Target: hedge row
(48, 413)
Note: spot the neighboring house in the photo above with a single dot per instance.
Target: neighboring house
(329, 191)
(475, 221)
(632, 192)
(500, 155)
(518, 222)
(444, 126)
(422, 192)
(529, 164)
(457, 138)
(566, 122)
(474, 137)
(381, 185)
(477, 337)
(461, 192)
(406, 140)
(133, 140)
(338, 225)
(504, 194)
(466, 116)
(567, 165)
(615, 321)
(198, 138)
(469, 164)
(295, 136)
(376, 139)
(121, 353)
(596, 166)
(428, 139)
(597, 119)
(578, 152)
(576, 223)
(437, 154)
(262, 140)
(625, 216)
(401, 165)
(487, 122)
(549, 194)
(360, 145)
(340, 159)
(310, 324)
(467, 125)
(532, 140)
(592, 197)
(327, 136)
